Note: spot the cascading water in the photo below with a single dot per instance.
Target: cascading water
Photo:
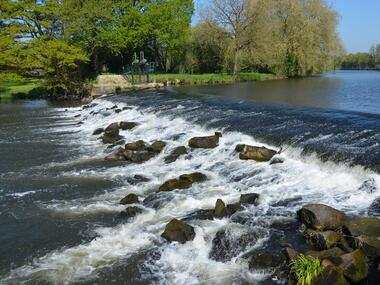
(326, 164)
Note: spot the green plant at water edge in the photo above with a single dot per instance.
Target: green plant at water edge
(305, 269)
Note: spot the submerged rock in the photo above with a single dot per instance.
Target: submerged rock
(98, 131)
(321, 217)
(205, 142)
(177, 230)
(175, 154)
(248, 152)
(130, 199)
(183, 182)
(130, 212)
(354, 266)
(228, 244)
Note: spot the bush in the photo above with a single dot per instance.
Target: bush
(305, 269)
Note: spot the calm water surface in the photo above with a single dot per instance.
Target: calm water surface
(59, 199)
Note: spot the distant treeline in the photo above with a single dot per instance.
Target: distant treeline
(65, 42)
(363, 60)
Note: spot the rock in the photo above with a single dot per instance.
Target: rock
(98, 131)
(322, 240)
(177, 230)
(220, 209)
(130, 212)
(233, 208)
(374, 208)
(205, 142)
(248, 152)
(111, 134)
(354, 266)
(200, 215)
(183, 182)
(251, 198)
(130, 199)
(117, 111)
(127, 125)
(330, 275)
(321, 217)
(333, 254)
(364, 233)
(369, 186)
(136, 146)
(112, 127)
(117, 155)
(138, 157)
(227, 244)
(175, 154)
(290, 254)
(141, 178)
(264, 260)
(114, 107)
(157, 146)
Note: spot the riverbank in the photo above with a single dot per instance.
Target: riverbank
(27, 89)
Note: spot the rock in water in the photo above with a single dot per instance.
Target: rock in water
(157, 146)
(374, 208)
(98, 131)
(265, 260)
(354, 266)
(177, 230)
(321, 217)
(205, 142)
(139, 145)
(322, 240)
(127, 125)
(117, 155)
(129, 199)
(220, 209)
(183, 182)
(330, 275)
(364, 233)
(175, 154)
(130, 212)
(248, 152)
(250, 198)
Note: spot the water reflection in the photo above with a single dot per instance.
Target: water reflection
(345, 90)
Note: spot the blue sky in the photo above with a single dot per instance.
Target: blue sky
(359, 25)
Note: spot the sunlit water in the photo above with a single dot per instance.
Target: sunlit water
(59, 199)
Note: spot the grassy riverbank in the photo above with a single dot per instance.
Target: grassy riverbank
(210, 78)
(19, 89)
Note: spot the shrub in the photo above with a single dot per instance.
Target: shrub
(305, 269)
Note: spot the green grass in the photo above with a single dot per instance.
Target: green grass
(11, 90)
(210, 77)
(305, 269)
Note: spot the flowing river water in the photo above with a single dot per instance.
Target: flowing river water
(59, 199)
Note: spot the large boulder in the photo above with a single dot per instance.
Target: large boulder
(248, 152)
(205, 142)
(322, 240)
(183, 182)
(179, 231)
(354, 266)
(139, 145)
(175, 154)
(321, 217)
(130, 199)
(330, 275)
(364, 233)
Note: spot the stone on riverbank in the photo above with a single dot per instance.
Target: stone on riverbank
(354, 266)
(179, 231)
(321, 217)
(130, 199)
(205, 142)
(248, 152)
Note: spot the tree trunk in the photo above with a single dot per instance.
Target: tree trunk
(236, 63)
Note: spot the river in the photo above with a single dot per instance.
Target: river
(59, 199)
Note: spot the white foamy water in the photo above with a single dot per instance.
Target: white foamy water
(228, 178)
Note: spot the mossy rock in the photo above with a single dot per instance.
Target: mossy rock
(130, 199)
(334, 254)
(354, 266)
(364, 226)
(179, 231)
(330, 276)
(322, 240)
(157, 146)
(183, 182)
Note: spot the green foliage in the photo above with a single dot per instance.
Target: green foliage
(305, 269)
